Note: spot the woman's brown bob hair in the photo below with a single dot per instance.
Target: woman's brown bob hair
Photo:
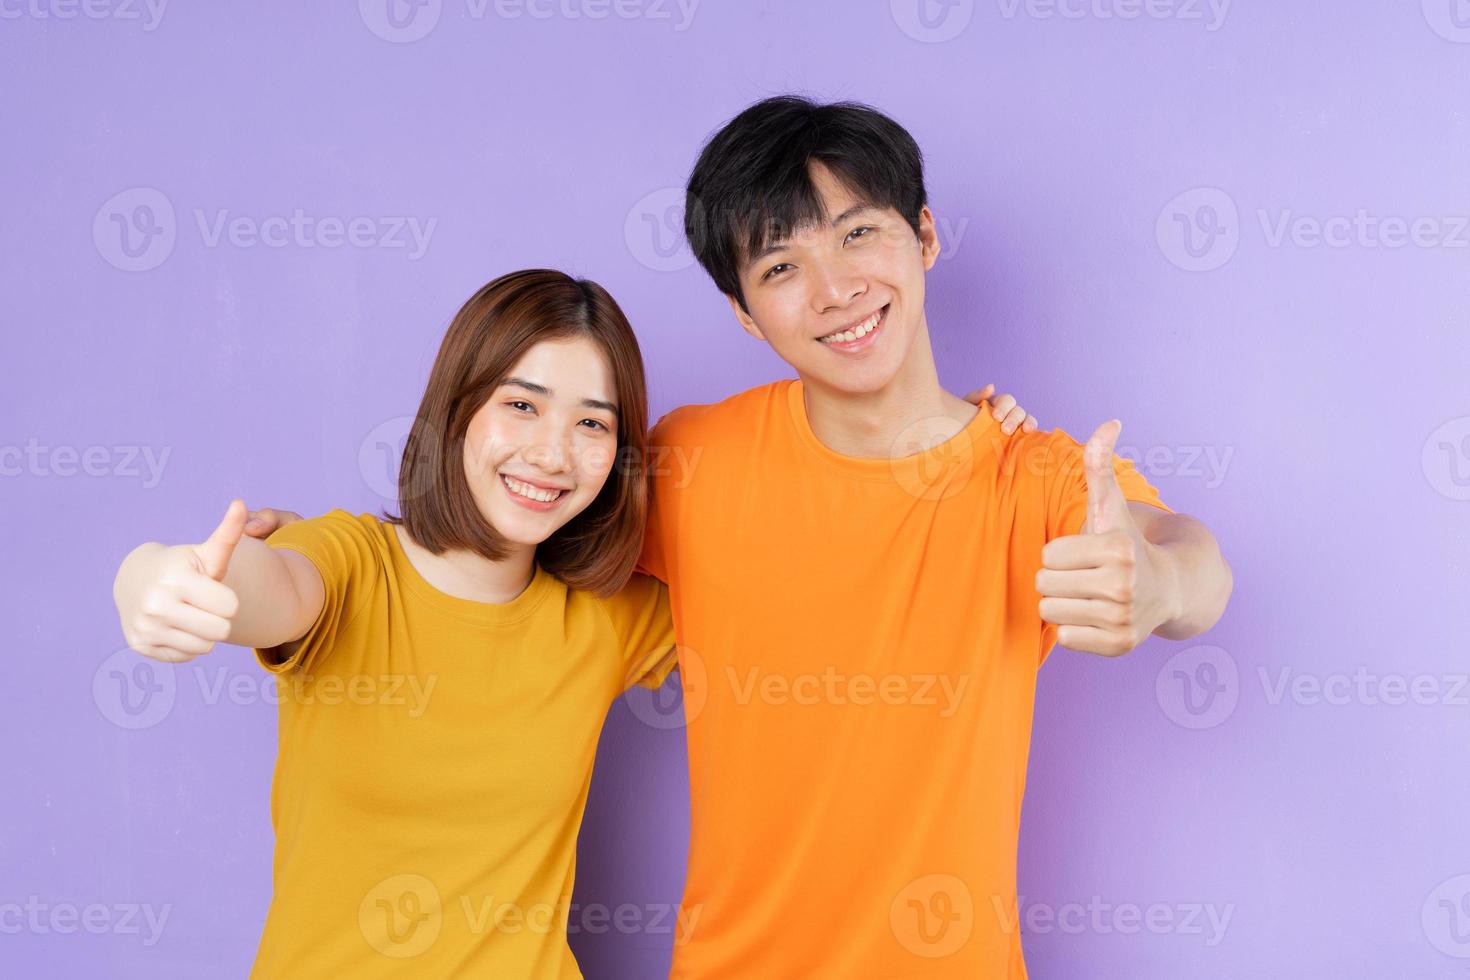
(594, 551)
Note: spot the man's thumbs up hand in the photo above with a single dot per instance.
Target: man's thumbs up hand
(1107, 588)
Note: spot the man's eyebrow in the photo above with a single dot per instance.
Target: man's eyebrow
(842, 218)
(541, 389)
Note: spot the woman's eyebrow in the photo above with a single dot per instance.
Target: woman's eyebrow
(541, 389)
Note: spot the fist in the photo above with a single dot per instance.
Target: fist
(172, 601)
(1107, 588)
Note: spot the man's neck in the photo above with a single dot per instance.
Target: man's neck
(910, 414)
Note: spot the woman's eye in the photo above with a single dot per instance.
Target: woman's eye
(594, 423)
(776, 269)
(521, 406)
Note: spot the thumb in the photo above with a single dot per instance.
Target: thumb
(215, 552)
(1107, 509)
(980, 394)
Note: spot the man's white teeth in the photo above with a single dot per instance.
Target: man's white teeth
(856, 333)
(526, 490)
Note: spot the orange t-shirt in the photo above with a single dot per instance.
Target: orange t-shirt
(858, 643)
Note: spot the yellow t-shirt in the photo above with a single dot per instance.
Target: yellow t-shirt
(434, 760)
(859, 643)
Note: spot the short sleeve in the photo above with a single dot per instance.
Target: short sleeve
(344, 550)
(664, 456)
(1066, 485)
(644, 624)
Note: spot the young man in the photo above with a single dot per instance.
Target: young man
(866, 573)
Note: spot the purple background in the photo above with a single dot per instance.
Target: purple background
(1326, 380)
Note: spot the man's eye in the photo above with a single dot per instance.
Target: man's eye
(776, 269)
(859, 232)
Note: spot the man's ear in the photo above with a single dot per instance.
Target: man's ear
(928, 238)
(746, 323)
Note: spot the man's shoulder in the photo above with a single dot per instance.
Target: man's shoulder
(730, 416)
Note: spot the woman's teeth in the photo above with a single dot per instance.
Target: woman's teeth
(856, 333)
(526, 490)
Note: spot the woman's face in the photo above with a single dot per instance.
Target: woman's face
(539, 451)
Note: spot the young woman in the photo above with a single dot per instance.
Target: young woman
(445, 673)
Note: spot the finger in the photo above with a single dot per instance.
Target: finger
(182, 642)
(1107, 508)
(215, 552)
(197, 622)
(207, 594)
(1002, 406)
(1082, 583)
(1078, 551)
(261, 523)
(1091, 639)
(1079, 612)
(1031, 424)
(164, 654)
(980, 394)
(1013, 420)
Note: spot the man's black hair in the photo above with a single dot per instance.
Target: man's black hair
(752, 186)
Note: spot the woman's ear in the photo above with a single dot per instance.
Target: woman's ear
(746, 323)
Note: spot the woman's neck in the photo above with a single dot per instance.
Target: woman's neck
(466, 575)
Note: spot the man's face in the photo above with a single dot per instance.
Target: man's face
(841, 302)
